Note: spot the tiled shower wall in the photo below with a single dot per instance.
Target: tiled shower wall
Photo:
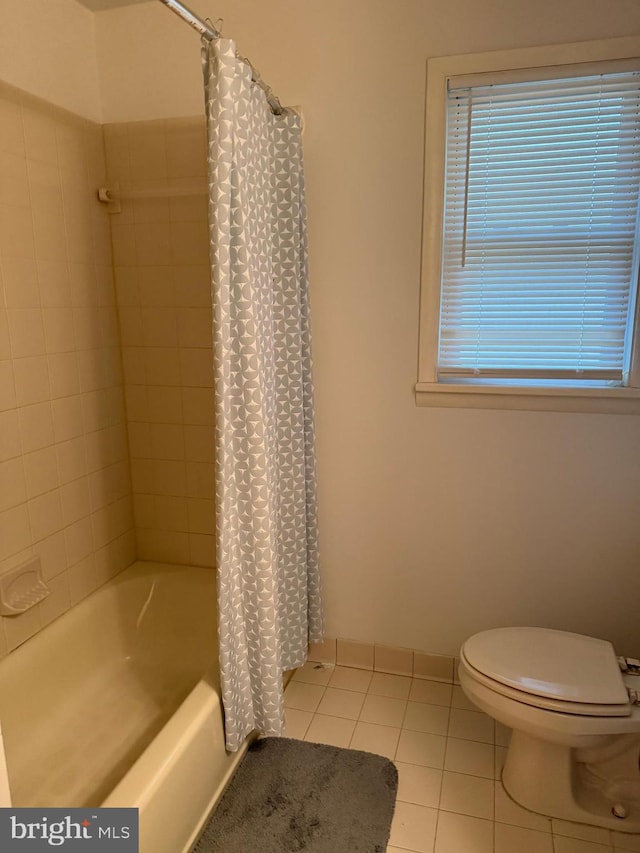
(161, 260)
(64, 476)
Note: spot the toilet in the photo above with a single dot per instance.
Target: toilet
(575, 747)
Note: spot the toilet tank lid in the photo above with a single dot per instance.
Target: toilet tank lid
(554, 664)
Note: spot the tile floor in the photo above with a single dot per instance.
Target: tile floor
(448, 755)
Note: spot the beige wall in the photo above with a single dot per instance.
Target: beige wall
(161, 255)
(47, 47)
(64, 477)
(435, 523)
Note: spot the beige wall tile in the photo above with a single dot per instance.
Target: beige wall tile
(53, 555)
(357, 655)
(82, 579)
(165, 404)
(45, 515)
(200, 480)
(393, 660)
(16, 232)
(58, 338)
(166, 441)
(170, 513)
(10, 446)
(15, 532)
(164, 304)
(14, 489)
(54, 283)
(324, 652)
(7, 386)
(153, 244)
(192, 284)
(57, 602)
(5, 344)
(163, 545)
(59, 329)
(67, 417)
(36, 426)
(20, 277)
(148, 150)
(186, 148)
(71, 458)
(202, 550)
(433, 667)
(160, 327)
(14, 183)
(26, 332)
(32, 380)
(199, 443)
(41, 471)
(156, 286)
(64, 376)
(202, 516)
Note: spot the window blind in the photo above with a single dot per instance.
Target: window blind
(540, 262)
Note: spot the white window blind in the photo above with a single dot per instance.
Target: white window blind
(540, 264)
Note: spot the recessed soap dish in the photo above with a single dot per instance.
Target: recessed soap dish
(22, 588)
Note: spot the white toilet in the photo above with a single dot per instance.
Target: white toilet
(575, 748)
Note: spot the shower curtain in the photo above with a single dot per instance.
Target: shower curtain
(267, 551)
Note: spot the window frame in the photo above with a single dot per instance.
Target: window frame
(429, 390)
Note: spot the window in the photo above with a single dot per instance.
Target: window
(536, 261)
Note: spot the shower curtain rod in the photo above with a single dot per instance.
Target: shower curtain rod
(209, 33)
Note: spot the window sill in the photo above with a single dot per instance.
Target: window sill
(619, 401)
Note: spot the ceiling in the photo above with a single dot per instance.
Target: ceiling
(101, 5)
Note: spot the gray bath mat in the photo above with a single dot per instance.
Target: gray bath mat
(289, 795)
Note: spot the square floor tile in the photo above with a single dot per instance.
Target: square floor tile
(500, 758)
(421, 748)
(625, 841)
(562, 844)
(467, 756)
(341, 703)
(332, 730)
(348, 678)
(413, 827)
(420, 785)
(581, 830)
(381, 740)
(395, 686)
(296, 723)
(313, 673)
(383, 710)
(503, 735)
(507, 811)
(459, 699)
(470, 795)
(462, 834)
(433, 692)
(303, 697)
(514, 838)
(421, 717)
(471, 725)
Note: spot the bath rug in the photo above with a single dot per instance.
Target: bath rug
(289, 795)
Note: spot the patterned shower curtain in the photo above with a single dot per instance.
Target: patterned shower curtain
(267, 551)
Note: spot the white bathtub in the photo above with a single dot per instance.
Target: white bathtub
(117, 704)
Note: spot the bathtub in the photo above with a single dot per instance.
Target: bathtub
(117, 703)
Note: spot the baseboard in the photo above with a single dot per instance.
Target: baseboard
(380, 658)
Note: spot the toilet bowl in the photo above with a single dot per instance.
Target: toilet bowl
(574, 752)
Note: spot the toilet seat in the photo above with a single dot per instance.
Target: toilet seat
(552, 670)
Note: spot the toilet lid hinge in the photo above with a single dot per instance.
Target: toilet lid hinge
(630, 666)
(634, 696)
